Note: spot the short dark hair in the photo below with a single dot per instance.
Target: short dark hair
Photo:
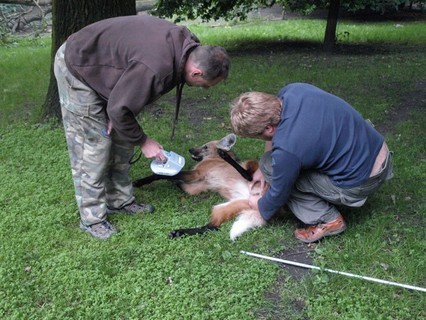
(212, 60)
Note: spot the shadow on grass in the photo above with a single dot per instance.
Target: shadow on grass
(247, 48)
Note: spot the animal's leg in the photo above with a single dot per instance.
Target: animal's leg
(190, 176)
(191, 231)
(181, 177)
(147, 180)
(194, 188)
(221, 213)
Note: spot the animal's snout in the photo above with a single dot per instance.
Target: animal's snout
(195, 154)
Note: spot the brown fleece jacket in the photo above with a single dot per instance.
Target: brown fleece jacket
(130, 62)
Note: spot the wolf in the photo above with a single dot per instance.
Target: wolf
(217, 170)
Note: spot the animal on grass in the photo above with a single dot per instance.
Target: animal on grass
(217, 170)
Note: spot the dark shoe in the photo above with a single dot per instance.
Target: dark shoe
(101, 230)
(314, 233)
(132, 209)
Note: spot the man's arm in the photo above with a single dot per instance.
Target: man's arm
(286, 168)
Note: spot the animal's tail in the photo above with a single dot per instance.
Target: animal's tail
(227, 211)
(247, 218)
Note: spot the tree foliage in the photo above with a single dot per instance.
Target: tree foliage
(230, 9)
(207, 9)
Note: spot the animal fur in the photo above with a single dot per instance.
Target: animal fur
(213, 173)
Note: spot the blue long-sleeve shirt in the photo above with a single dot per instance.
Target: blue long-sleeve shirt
(318, 131)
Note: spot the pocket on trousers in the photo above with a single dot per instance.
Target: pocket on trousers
(349, 201)
(82, 95)
(93, 135)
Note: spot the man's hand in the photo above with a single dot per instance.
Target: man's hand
(152, 149)
(109, 127)
(253, 199)
(257, 178)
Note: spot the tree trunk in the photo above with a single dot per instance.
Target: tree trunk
(330, 30)
(69, 16)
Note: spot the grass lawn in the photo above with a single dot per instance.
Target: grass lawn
(51, 270)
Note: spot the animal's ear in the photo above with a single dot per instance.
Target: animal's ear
(227, 142)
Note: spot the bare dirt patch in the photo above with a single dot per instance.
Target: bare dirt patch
(412, 103)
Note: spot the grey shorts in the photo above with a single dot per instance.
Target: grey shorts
(314, 195)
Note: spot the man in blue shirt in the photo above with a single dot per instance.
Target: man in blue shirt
(319, 152)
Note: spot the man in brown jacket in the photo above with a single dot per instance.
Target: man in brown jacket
(106, 73)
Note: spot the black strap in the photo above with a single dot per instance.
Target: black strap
(178, 97)
(225, 156)
(135, 158)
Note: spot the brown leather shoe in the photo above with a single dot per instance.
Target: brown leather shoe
(314, 233)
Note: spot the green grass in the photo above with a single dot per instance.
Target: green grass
(385, 241)
(51, 270)
(24, 76)
(233, 35)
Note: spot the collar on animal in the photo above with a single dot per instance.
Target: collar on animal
(225, 156)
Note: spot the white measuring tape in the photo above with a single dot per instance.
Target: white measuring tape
(303, 265)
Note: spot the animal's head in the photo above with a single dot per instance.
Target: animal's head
(209, 150)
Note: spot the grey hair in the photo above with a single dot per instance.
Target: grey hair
(212, 60)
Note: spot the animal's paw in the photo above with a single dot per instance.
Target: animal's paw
(176, 234)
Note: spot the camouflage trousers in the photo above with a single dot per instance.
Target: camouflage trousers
(99, 162)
